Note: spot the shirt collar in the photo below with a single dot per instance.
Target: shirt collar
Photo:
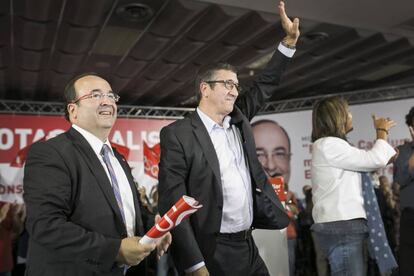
(93, 141)
(210, 124)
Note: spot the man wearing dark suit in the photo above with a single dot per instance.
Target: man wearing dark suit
(211, 156)
(404, 176)
(83, 210)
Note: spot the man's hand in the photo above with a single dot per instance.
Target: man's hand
(291, 28)
(18, 216)
(19, 212)
(164, 242)
(132, 252)
(4, 210)
(202, 271)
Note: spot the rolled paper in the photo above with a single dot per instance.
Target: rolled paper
(278, 186)
(180, 211)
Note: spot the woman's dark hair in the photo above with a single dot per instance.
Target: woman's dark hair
(329, 118)
(410, 117)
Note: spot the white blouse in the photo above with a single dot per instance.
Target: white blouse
(336, 181)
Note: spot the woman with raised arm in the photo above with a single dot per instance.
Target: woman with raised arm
(338, 185)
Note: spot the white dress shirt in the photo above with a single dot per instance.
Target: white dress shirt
(336, 181)
(123, 183)
(235, 176)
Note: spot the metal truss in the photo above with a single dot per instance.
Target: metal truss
(124, 111)
(356, 97)
(129, 111)
(25, 107)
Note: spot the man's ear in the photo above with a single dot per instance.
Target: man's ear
(72, 110)
(204, 87)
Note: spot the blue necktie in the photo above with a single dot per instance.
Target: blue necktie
(105, 155)
(377, 240)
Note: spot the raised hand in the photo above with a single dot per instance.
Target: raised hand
(290, 27)
(381, 123)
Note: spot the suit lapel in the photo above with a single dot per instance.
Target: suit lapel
(247, 142)
(98, 171)
(138, 222)
(207, 146)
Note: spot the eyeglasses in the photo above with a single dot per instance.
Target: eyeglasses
(229, 84)
(275, 155)
(98, 95)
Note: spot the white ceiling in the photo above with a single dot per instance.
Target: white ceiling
(383, 16)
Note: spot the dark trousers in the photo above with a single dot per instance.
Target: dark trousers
(407, 242)
(237, 256)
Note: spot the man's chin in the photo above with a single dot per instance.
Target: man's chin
(230, 109)
(107, 124)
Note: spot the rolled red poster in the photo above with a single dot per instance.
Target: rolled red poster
(181, 210)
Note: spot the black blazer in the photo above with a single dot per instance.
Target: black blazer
(189, 166)
(73, 220)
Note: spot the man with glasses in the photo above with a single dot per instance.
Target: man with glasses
(83, 209)
(211, 156)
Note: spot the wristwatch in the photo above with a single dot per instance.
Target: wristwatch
(293, 47)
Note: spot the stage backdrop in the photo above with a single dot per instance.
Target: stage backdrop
(298, 125)
(17, 132)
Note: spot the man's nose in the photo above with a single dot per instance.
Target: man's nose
(234, 92)
(271, 166)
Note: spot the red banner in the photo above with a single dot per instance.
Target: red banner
(20, 131)
(151, 160)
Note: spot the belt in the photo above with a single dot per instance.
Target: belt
(242, 235)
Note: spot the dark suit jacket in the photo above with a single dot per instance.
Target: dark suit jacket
(73, 220)
(189, 166)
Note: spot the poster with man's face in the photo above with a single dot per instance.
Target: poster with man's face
(272, 148)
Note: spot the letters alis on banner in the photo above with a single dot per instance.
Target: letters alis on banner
(151, 159)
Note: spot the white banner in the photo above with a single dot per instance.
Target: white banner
(298, 126)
